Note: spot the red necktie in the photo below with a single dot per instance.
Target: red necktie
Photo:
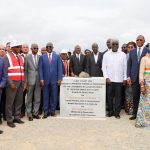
(66, 67)
(49, 58)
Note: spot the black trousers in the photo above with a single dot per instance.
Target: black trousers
(136, 96)
(2, 104)
(114, 93)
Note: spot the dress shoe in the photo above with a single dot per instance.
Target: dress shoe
(1, 131)
(117, 116)
(45, 116)
(22, 115)
(36, 117)
(30, 118)
(53, 114)
(48, 114)
(110, 114)
(133, 117)
(40, 112)
(18, 121)
(11, 124)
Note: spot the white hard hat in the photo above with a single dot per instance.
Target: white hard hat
(15, 43)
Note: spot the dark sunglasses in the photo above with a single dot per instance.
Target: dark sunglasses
(114, 44)
(48, 46)
(35, 48)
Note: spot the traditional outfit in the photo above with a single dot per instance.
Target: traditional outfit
(143, 114)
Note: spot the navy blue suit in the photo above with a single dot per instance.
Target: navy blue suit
(133, 73)
(3, 76)
(50, 72)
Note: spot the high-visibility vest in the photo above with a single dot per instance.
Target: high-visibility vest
(15, 70)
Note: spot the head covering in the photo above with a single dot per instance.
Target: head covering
(64, 51)
(15, 44)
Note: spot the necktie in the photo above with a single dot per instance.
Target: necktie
(66, 67)
(35, 60)
(49, 58)
(139, 54)
(78, 57)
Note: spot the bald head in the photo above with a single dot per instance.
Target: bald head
(140, 40)
(49, 47)
(77, 49)
(25, 48)
(108, 43)
(34, 48)
(115, 45)
(95, 48)
(43, 50)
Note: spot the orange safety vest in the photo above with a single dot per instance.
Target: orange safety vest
(15, 70)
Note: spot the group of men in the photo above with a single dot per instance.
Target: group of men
(32, 81)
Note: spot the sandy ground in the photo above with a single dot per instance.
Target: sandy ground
(73, 134)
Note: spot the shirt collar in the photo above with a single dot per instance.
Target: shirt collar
(140, 47)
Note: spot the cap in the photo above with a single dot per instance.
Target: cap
(63, 51)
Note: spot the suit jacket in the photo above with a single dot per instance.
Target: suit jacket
(75, 66)
(3, 74)
(133, 64)
(50, 72)
(31, 71)
(95, 69)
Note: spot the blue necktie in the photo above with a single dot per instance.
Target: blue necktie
(139, 54)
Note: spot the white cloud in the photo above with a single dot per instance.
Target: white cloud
(69, 22)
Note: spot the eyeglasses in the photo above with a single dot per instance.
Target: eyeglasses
(48, 46)
(123, 47)
(115, 44)
(139, 40)
(35, 48)
(130, 47)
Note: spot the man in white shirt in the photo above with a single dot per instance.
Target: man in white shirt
(114, 67)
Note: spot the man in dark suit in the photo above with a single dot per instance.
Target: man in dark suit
(77, 62)
(133, 71)
(94, 63)
(50, 74)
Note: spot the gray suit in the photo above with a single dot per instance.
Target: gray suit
(34, 90)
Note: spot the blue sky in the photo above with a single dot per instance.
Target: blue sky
(67, 23)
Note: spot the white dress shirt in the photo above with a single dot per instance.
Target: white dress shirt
(96, 57)
(141, 49)
(114, 66)
(78, 56)
(34, 57)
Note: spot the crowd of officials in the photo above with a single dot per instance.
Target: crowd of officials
(29, 82)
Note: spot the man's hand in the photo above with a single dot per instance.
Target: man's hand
(13, 87)
(42, 83)
(124, 82)
(142, 89)
(72, 74)
(59, 82)
(108, 81)
(129, 82)
(25, 86)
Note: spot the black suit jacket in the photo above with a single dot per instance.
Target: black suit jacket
(95, 69)
(77, 66)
